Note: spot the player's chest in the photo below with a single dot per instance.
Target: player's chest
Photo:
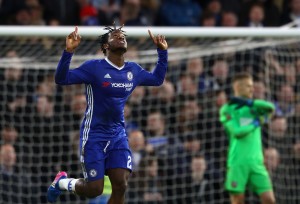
(245, 115)
(115, 82)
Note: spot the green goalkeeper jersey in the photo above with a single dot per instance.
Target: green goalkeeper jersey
(244, 132)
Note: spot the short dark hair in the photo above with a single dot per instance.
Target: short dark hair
(241, 76)
(103, 39)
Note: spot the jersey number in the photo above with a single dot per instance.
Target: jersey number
(129, 162)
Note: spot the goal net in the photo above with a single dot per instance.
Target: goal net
(179, 147)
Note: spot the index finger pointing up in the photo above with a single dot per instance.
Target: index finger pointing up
(151, 35)
(75, 32)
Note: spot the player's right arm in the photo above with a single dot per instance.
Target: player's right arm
(263, 106)
(232, 125)
(64, 76)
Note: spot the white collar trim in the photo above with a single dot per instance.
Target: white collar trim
(112, 64)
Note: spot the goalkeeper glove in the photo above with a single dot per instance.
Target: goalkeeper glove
(241, 102)
(261, 120)
(264, 119)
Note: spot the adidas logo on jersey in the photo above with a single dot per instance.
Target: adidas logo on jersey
(107, 76)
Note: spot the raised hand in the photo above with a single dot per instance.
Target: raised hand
(73, 40)
(159, 41)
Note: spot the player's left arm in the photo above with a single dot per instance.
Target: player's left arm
(263, 107)
(157, 76)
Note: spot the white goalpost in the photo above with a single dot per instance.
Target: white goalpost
(40, 121)
(138, 31)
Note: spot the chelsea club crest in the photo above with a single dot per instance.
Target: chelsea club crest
(129, 76)
(93, 172)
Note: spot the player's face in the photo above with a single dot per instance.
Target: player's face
(117, 41)
(244, 88)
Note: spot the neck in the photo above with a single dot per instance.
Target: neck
(241, 96)
(116, 58)
(197, 176)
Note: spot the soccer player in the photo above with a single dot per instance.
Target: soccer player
(103, 141)
(242, 118)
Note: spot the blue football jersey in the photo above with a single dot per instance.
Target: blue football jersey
(107, 90)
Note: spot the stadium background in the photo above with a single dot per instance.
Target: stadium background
(179, 147)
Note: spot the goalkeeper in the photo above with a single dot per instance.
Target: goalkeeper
(242, 118)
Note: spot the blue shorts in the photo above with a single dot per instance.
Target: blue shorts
(99, 156)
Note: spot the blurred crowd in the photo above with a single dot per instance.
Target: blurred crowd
(221, 13)
(178, 144)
